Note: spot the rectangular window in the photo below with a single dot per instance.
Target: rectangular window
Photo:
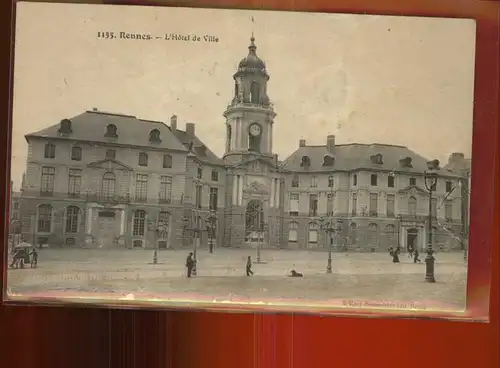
(329, 204)
(413, 181)
(215, 175)
(143, 159)
(314, 182)
(214, 198)
(390, 205)
(313, 234)
(313, 205)
(111, 154)
(373, 204)
(44, 218)
(295, 181)
(200, 173)
(139, 224)
(141, 187)
(448, 210)
(198, 198)
(449, 186)
(373, 180)
(434, 207)
(167, 162)
(76, 153)
(390, 181)
(165, 189)
(47, 187)
(355, 180)
(330, 182)
(354, 208)
(75, 182)
(294, 204)
(293, 232)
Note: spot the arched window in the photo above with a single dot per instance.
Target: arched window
(50, 150)
(390, 231)
(108, 185)
(163, 226)
(72, 217)
(313, 233)
(154, 136)
(111, 131)
(236, 90)
(167, 161)
(139, 223)
(143, 159)
(412, 206)
(373, 234)
(44, 218)
(293, 232)
(76, 153)
(255, 93)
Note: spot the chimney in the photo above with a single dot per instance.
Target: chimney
(302, 143)
(173, 122)
(190, 129)
(330, 143)
(456, 157)
(94, 109)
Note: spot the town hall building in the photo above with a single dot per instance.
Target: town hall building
(102, 179)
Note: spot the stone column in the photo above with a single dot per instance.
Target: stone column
(89, 221)
(235, 190)
(240, 190)
(122, 222)
(278, 194)
(273, 193)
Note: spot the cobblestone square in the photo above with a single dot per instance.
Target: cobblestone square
(370, 276)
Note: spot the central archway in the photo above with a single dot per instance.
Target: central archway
(254, 218)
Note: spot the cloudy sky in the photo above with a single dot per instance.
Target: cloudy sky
(366, 79)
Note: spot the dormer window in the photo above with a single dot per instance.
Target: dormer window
(328, 160)
(377, 159)
(154, 136)
(406, 162)
(306, 161)
(111, 131)
(65, 127)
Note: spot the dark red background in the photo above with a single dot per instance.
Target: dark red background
(78, 337)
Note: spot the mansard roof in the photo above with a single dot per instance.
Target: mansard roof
(355, 156)
(196, 147)
(91, 126)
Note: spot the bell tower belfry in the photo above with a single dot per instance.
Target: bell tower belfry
(250, 114)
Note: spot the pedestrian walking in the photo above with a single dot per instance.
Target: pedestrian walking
(394, 253)
(249, 266)
(34, 258)
(410, 251)
(415, 257)
(189, 264)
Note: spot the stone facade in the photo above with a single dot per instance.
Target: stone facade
(375, 194)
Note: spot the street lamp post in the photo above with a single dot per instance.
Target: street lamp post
(329, 227)
(211, 223)
(430, 177)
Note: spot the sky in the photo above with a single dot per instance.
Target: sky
(366, 79)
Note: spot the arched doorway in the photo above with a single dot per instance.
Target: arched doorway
(254, 220)
(411, 238)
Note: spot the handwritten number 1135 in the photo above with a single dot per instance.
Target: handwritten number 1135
(106, 35)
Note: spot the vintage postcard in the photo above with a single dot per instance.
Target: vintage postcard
(248, 157)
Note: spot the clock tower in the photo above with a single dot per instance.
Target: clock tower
(250, 114)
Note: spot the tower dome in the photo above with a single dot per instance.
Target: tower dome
(252, 61)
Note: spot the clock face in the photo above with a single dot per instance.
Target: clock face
(255, 129)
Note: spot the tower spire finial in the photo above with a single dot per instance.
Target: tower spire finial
(253, 27)
(252, 46)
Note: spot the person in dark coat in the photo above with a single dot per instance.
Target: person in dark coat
(394, 254)
(189, 264)
(410, 251)
(415, 257)
(34, 258)
(249, 266)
